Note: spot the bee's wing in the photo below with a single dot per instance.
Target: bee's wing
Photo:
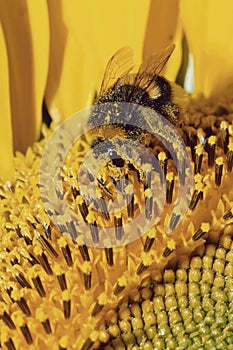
(151, 67)
(119, 65)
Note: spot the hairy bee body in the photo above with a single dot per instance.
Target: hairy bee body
(146, 88)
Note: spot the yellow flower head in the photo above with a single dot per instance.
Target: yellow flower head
(78, 271)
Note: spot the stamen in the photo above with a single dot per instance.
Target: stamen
(145, 263)
(94, 232)
(47, 230)
(205, 226)
(26, 333)
(71, 229)
(149, 240)
(87, 274)
(88, 344)
(147, 171)
(174, 221)
(22, 281)
(62, 281)
(22, 304)
(197, 195)
(148, 204)
(225, 134)
(91, 340)
(82, 207)
(109, 255)
(167, 251)
(7, 320)
(198, 159)
(118, 227)
(218, 170)
(169, 187)
(47, 246)
(62, 228)
(163, 162)
(62, 242)
(230, 157)
(148, 243)
(120, 286)
(39, 286)
(44, 262)
(59, 192)
(75, 192)
(66, 303)
(87, 281)
(228, 214)
(84, 252)
(210, 148)
(103, 208)
(129, 196)
(101, 302)
(47, 326)
(10, 345)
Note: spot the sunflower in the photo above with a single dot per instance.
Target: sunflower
(160, 290)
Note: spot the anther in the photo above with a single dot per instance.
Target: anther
(225, 134)
(7, 320)
(148, 243)
(47, 326)
(87, 274)
(83, 209)
(23, 306)
(228, 214)
(118, 227)
(22, 281)
(94, 232)
(229, 157)
(103, 208)
(67, 254)
(120, 286)
(109, 255)
(75, 192)
(39, 286)
(145, 263)
(47, 246)
(66, 303)
(218, 170)
(90, 340)
(62, 281)
(44, 262)
(174, 221)
(26, 334)
(197, 195)
(148, 204)
(71, 229)
(198, 159)
(169, 187)
(59, 192)
(10, 344)
(167, 251)
(210, 148)
(129, 196)
(163, 162)
(84, 252)
(47, 230)
(201, 231)
(101, 302)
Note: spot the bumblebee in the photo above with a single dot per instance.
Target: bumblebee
(146, 87)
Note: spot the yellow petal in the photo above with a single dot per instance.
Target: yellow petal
(208, 26)
(164, 28)
(26, 30)
(84, 35)
(6, 147)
